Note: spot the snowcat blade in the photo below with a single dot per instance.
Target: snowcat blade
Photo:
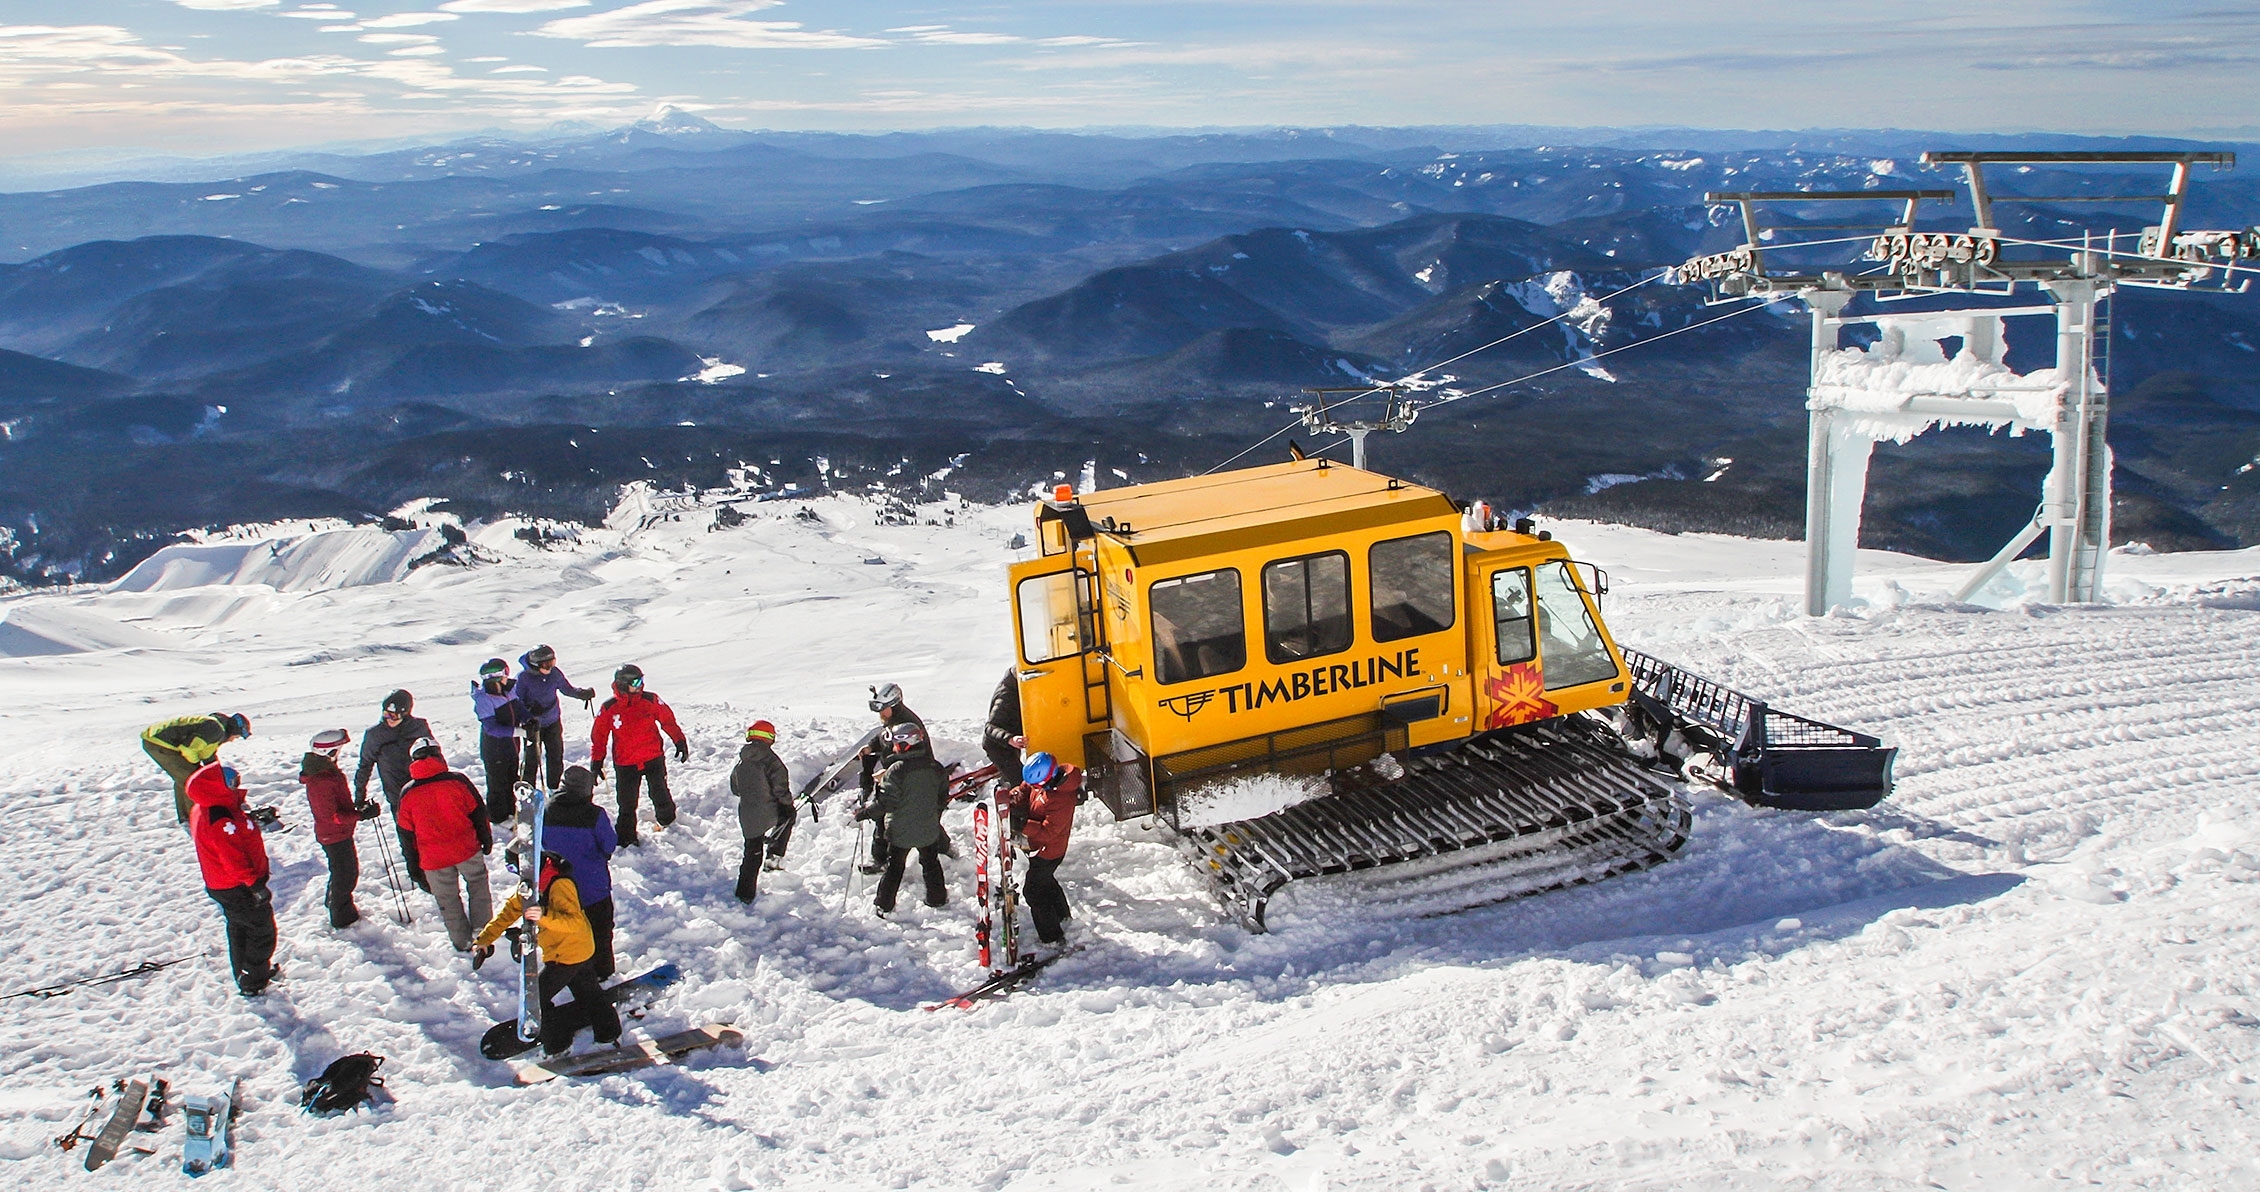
(1768, 757)
(1537, 808)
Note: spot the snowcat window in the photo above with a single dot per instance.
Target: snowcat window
(1049, 626)
(1306, 607)
(1510, 610)
(1412, 586)
(1573, 652)
(1198, 626)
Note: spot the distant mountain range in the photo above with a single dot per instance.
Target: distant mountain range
(525, 325)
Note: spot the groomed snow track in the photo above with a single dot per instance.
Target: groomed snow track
(1537, 807)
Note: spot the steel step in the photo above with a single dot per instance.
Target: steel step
(1539, 807)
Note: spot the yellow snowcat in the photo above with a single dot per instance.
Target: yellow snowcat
(1447, 684)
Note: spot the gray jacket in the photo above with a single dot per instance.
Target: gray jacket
(911, 790)
(763, 787)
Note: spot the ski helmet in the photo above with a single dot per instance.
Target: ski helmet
(330, 738)
(399, 701)
(884, 696)
(628, 678)
(232, 780)
(761, 730)
(540, 656)
(238, 724)
(1039, 768)
(906, 735)
(492, 667)
(423, 748)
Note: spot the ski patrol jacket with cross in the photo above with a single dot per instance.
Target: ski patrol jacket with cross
(442, 813)
(1051, 811)
(229, 848)
(630, 725)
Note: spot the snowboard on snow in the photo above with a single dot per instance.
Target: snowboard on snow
(210, 1118)
(501, 1041)
(828, 779)
(1000, 984)
(136, 1099)
(631, 1055)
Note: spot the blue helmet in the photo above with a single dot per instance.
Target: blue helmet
(1039, 768)
(233, 780)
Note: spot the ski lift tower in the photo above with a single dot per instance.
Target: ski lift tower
(1324, 417)
(1905, 383)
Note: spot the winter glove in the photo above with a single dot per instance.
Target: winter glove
(366, 810)
(1020, 842)
(682, 751)
(480, 955)
(265, 817)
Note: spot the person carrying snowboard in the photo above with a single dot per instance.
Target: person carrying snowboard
(910, 794)
(233, 856)
(540, 684)
(1044, 807)
(765, 802)
(448, 839)
(336, 815)
(384, 752)
(886, 700)
(182, 745)
(575, 828)
(568, 952)
(495, 697)
(629, 725)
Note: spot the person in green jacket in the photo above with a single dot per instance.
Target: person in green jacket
(911, 791)
(183, 744)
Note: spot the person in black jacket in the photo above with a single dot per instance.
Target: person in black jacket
(1000, 737)
(765, 803)
(384, 752)
(886, 700)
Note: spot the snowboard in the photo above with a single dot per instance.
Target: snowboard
(631, 1055)
(502, 1042)
(134, 1099)
(1000, 984)
(828, 779)
(210, 1118)
(526, 845)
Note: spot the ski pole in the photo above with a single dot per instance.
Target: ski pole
(393, 881)
(855, 867)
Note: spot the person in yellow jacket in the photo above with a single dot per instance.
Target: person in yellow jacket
(568, 951)
(185, 744)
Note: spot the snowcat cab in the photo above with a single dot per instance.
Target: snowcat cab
(1308, 618)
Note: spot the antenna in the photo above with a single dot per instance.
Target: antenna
(1322, 417)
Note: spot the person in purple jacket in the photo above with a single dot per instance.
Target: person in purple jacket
(495, 697)
(575, 828)
(540, 683)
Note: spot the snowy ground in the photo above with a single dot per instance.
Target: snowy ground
(2033, 967)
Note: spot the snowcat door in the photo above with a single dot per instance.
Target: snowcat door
(1061, 661)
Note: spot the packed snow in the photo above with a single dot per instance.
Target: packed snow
(2035, 965)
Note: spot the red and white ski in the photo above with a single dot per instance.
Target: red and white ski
(984, 814)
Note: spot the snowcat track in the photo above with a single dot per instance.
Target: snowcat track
(1540, 807)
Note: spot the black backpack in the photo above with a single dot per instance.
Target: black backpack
(347, 1083)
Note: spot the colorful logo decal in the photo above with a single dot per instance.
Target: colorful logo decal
(1518, 696)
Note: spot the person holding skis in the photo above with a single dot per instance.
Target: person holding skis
(575, 828)
(568, 951)
(384, 752)
(1001, 741)
(184, 744)
(233, 856)
(886, 700)
(336, 815)
(448, 839)
(1044, 806)
(495, 697)
(540, 683)
(629, 725)
(765, 802)
(911, 790)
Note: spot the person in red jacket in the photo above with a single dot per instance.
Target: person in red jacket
(447, 827)
(233, 856)
(336, 815)
(1044, 804)
(630, 723)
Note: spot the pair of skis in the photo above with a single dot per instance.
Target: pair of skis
(996, 930)
(502, 1042)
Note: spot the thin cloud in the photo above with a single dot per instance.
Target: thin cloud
(397, 39)
(226, 5)
(520, 69)
(511, 5)
(714, 23)
(406, 20)
(319, 14)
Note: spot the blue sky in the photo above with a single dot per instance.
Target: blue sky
(204, 76)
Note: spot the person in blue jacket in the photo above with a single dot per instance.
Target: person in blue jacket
(575, 828)
(495, 697)
(540, 683)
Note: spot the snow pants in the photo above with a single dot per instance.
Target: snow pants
(544, 743)
(890, 882)
(604, 1017)
(178, 769)
(600, 926)
(626, 780)
(454, 887)
(250, 914)
(1046, 901)
(500, 756)
(781, 834)
(345, 875)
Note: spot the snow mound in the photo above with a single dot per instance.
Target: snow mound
(315, 563)
(30, 632)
